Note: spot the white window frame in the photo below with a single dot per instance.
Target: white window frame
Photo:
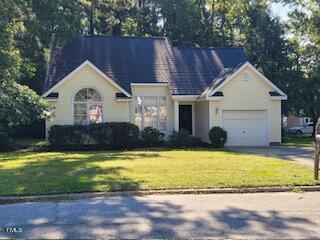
(87, 105)
(143, 111)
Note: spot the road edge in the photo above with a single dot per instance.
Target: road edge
(86, 195)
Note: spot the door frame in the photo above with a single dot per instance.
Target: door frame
(193, 115)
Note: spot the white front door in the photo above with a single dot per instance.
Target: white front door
(245, 128)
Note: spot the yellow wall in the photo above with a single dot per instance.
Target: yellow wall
(248, 95)
(86, 77)
(202, 120)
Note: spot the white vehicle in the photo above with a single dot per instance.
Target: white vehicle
(305, 129)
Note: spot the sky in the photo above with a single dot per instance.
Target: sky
(279, 10)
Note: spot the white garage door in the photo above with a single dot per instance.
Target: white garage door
(245, 128)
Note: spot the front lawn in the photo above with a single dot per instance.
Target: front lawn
(61, 172)
(298, 141)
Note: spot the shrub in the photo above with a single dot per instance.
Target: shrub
(112, 135)
(4, 141)
(218, 137)
(179, 139)
(151, 137)
(35, 129)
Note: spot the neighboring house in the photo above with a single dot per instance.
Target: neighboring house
(291, 121)
(149, 82)
(297, 125)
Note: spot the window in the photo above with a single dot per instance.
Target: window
(150, 112)
(87, 107)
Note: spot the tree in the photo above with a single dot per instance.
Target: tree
(10, 57)
(181, 22)
(19, 105)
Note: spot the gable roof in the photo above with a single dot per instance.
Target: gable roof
(230, 73)
(187, 71)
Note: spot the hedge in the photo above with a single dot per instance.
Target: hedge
(111, 135)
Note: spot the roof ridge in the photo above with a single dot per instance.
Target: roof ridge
(124, 37)
(212, 48)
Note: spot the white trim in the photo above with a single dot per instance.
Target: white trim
(149, 84)
(86, 63)
(176, 115)
(247, 64)
(193, 118)
(215, 98)
(279, 97)
(268, 126)
(210, 117)
(193, 112)
(123, 99)
(185, 97)
(128, 111)
(51, 99)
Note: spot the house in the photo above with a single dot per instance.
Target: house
(292, 120)
(149, 82)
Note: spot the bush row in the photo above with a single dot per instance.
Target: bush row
(115, 135)
(123, 135)
(111, 135)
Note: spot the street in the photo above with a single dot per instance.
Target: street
(260, 215)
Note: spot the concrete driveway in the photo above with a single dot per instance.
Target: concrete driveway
(300, 155)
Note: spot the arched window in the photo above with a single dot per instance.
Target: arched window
(87, 107)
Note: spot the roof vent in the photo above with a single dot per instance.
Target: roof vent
(245, 76)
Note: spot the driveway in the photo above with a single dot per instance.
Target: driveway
(245, 216)
(300, 155)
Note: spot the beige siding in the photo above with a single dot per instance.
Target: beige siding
(162, 91)
(86, 77)
(253, 94)
(202, 120)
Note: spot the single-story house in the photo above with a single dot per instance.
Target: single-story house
(149, 82)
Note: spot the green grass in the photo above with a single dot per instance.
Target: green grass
(30, 142)
(60, 172)
(295, 141)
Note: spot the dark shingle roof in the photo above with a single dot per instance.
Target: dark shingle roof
(188, 71)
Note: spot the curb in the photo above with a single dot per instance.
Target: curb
(79, 196)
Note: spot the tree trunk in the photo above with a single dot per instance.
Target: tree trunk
(91, 15)
(314, 120)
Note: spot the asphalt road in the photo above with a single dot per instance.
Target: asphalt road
(258, 216)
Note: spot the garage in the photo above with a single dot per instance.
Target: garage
(246, 128)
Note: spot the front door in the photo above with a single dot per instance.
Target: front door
(185, 117)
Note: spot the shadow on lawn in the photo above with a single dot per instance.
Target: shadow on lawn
(67, 172)
(138, 218)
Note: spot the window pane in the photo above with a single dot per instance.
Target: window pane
(95, 113)
(80, 113)
(93, 95)
(138, 111)
(162, 114)
(80, 109)
(80, 119)
(81, 96)
(150, 112)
